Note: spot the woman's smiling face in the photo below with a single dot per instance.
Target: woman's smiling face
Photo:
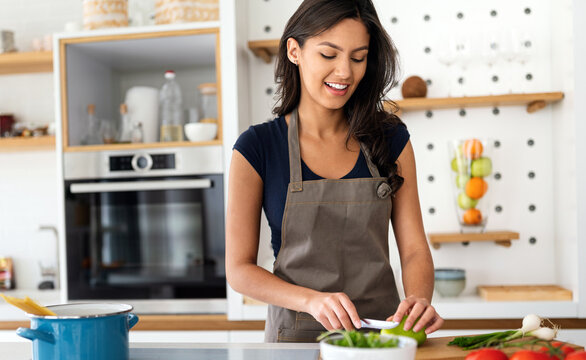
(332, 64)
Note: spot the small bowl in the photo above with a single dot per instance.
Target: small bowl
(450, 282)
(405, 351)
(201, 131)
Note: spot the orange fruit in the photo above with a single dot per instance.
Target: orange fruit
(472, 217)
(476, 187)
(472, 148)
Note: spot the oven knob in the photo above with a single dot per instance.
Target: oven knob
(142, 162)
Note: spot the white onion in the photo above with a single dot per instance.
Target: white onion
(544, 333)
(531, 322)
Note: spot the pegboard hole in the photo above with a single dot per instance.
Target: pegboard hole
(528, 11)
(465, 243)
(462, 112)
(460, 15)
(426, 17)
(430, 146)
(529, 77)
(498, 208)
(267, 29)
(530, 142)
(531, 175)
(269, 91)
(428, 82)
(532, 240)
(495, 78)
(532, 208)
(497, 144)
(497, 176)
(394, 20)
(429, 114)
(431, 210)
(427, 50)
(493, 13)
(495, 111)
(430, 178)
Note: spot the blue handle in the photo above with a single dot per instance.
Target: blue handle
(35, 335)
(132, 320)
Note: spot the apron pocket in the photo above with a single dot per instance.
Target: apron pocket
(305, 336)
(304, 321)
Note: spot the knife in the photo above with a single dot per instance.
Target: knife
(378, 324)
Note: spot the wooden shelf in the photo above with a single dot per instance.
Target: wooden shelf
(264, 49)
(40, 143)
(533, 101)
(26, 62)
(502, 238)
(110, 147)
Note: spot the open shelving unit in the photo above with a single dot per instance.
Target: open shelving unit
(37, 143)
(502, 238)
(26, 62)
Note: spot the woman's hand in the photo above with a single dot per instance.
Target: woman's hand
(334, 311)
(418, 308)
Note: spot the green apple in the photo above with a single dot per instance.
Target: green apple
(419, 336)
(465, 202)
(461, 180)
(481, 167)
(459, 164)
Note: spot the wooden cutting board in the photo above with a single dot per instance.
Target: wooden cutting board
(437, 348)
(524, 293)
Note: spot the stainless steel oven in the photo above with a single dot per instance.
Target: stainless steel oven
(145, 224)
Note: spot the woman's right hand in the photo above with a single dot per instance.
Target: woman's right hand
(334, 311)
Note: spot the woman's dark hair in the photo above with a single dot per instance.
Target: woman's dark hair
(367, 119)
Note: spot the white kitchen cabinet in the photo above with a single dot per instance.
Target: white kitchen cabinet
(98, 67)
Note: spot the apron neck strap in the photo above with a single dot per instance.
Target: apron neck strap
(295, 176)
(373, 169)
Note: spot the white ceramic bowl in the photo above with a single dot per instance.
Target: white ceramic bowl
(201, 131)
(405, 351)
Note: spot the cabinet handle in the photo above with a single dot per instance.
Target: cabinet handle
(85, 188)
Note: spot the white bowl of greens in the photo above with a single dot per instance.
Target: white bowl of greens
(355, 345)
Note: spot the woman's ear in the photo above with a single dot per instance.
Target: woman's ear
(293, 50)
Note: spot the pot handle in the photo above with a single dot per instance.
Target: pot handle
(132, 320)
(35, 335)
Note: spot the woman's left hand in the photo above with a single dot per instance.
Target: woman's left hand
(418, 308)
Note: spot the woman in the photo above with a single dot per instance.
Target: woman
(330, 172)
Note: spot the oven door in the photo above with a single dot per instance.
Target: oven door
(145, 238)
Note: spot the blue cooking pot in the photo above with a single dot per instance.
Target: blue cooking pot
(81, 331)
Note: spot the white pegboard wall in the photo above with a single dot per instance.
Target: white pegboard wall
(420, 24)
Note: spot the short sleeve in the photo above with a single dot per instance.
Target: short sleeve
(249, 145)
(397, 138)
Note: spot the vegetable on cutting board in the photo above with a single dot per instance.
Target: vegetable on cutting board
(419, 336)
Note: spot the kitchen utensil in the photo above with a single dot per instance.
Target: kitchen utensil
(81, 331)
(143, 107)
(27, 305)
(378, 324)
(404, 351)
(201, 131)
(6, 273)
(450, 282)
(524, 293)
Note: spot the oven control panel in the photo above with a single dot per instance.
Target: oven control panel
(142, 162)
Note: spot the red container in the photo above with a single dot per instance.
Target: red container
(6, 123)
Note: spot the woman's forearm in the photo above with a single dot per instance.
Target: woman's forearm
(254, 281)
(418, 275)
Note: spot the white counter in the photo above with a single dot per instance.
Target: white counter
(141, 351)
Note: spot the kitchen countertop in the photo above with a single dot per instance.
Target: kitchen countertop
(433, 349)
(142, 351)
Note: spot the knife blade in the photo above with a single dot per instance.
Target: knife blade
(378, 324)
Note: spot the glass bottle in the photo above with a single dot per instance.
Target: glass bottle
(92, 136)
(137, 135)
(170, 103)
(209, 103)
(125, 125)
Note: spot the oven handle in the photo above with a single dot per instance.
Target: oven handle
(86, 188)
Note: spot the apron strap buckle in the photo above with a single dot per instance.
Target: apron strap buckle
(296, 186)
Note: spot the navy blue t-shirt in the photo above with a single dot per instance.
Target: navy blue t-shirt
(265, 146)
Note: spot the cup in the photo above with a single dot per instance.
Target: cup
(471, 165)
(450, 282)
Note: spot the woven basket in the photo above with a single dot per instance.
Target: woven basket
(98, 14)
(182, 11)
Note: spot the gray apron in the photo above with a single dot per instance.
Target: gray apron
(334, 239)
